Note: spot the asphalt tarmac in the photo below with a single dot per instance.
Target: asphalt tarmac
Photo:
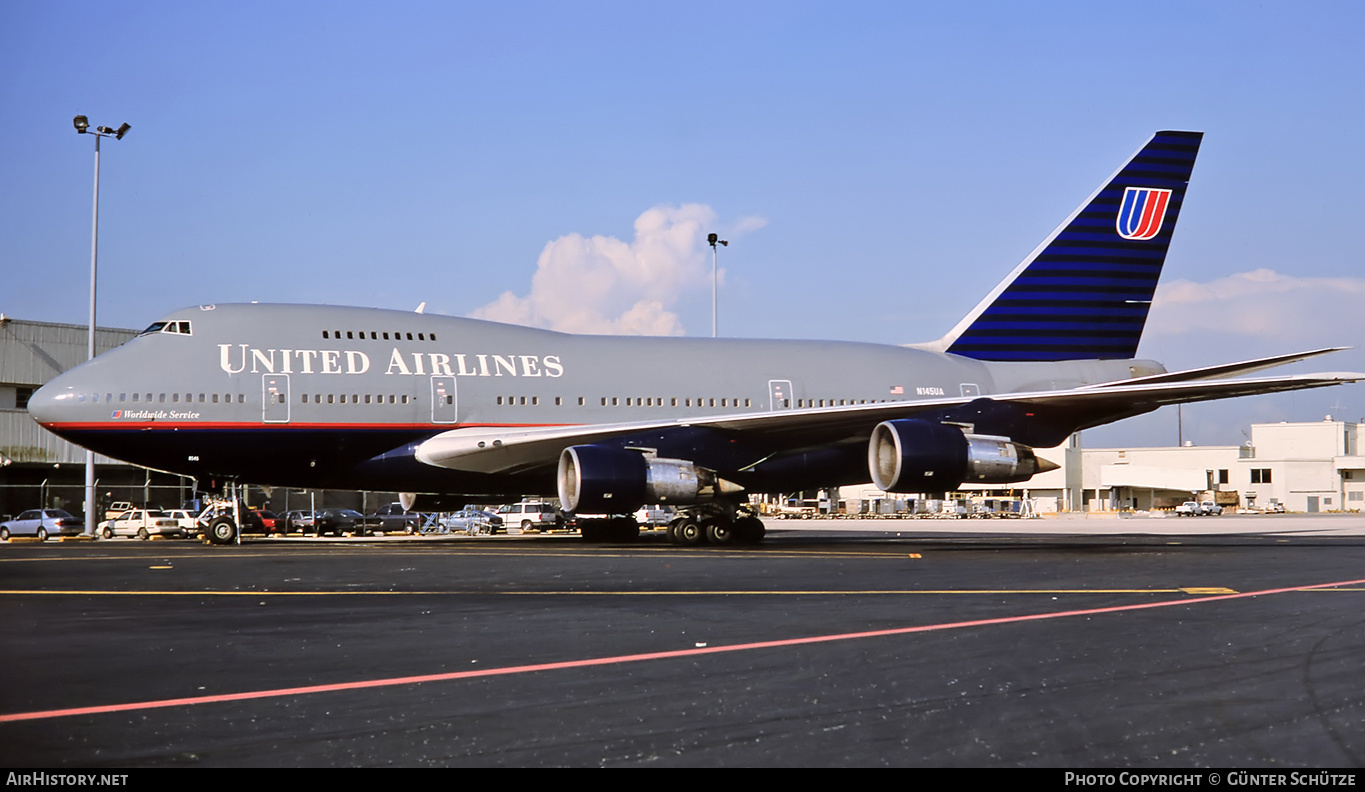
(1233, 642)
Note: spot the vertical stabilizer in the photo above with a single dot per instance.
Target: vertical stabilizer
(1084, 293)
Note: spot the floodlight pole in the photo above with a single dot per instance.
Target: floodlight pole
(83, 128)
(713, 240)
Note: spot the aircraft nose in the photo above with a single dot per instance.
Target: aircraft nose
(47, 404)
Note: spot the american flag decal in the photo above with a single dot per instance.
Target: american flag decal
(898, 391)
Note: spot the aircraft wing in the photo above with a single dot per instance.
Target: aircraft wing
(518, 449)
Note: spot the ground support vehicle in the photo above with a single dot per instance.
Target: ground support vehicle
(1187, 509)
(431, 524)
(224, 519)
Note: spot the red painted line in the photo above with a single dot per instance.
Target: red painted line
(636, 658)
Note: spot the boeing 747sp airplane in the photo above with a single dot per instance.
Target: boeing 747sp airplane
(455, 410)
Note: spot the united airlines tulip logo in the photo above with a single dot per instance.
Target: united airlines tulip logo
(1142, 212)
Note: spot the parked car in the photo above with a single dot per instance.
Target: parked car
(654, 516)
(42, 523)
(1209, 509)
(142, 523)
(300, 520)
(393, 517)
(270, 522)
(186, 519)
(530, 514)
(472, 519)
(338, 521)
(1187, 509)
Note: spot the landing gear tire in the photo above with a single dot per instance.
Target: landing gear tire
(749, 530)
(687, 533)
(720, 531)
(222, 531)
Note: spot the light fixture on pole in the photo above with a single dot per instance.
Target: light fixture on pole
(82, 125)
(713, 240)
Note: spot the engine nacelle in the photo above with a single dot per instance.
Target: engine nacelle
(919, 456)
(602, 480)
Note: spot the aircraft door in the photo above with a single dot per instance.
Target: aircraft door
(444, 405)
(275, 398)
(779, 394)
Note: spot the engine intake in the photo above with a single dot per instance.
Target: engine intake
(919, 456)
(602, 480)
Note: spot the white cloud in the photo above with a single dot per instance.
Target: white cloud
(1262, 304)
(605, 285)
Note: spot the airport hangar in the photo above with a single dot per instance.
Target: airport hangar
(1306, 467)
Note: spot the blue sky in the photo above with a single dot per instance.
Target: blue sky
(877, 167)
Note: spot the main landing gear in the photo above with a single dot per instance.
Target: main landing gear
(717, 524)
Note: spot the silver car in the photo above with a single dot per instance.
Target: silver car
(42, 523)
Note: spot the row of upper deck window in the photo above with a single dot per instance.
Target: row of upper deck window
(377, 335)
(160, 398)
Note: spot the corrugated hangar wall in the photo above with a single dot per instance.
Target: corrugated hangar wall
(34, 463)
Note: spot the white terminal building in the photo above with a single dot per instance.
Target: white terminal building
(1305, 467)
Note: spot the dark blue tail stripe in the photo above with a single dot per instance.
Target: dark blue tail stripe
(1087, 293)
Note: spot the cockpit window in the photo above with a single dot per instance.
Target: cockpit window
(179, 328)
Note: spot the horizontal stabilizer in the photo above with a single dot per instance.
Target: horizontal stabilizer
(1224, 370)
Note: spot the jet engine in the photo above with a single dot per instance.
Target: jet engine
(602, 480)
(919, 456)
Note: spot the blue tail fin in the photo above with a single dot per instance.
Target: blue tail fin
(1085, 292)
